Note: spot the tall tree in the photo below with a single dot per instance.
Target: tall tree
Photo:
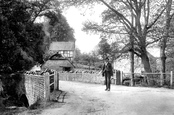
(37, 8)
(163, 43)
(20, 38)
(56, 28)
(59, 28)
(21, 41)
(104, 48)
(145, 14)
(114, 50)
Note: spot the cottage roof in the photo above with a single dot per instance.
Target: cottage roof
(58, 63)
(57, 46)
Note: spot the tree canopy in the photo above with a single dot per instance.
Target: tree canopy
(135, 19)
(59, 28)
(22, 39)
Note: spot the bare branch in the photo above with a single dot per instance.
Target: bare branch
(156, 40)
(125, 21)
(156, 19)
(146, 13)
(41, 8)
(129, 5)
(139, 55)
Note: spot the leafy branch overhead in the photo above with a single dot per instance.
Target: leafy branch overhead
(135, 18)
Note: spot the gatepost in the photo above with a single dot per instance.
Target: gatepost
(47, 87)
(171, 79)
(118, 77)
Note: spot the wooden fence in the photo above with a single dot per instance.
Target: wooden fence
(39, 86)
(52, 83)
(121, 78)
(150, 78)
(82, 77)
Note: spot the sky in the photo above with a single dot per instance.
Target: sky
(87, 42)
(76, 17)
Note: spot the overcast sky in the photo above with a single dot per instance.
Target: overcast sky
(84, 41)
(76, 17)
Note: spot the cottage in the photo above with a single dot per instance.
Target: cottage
(66, 49)
(63, 56)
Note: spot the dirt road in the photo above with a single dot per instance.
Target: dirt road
(91, 99)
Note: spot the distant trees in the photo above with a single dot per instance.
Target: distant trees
(77, 55)
(95, 57)
(57, 27)
(89, 59)
(104, 48)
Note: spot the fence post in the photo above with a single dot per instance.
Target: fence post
(55, 80)
(115, 77)
(121, 78)
(161, 79)
(47, 86)
(118, 76)
(171, 78)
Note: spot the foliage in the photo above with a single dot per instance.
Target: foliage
(134, 18)
(104, 48)
(170, 50)
(20, 39)
(163, 42)
(56, 28)
(89, 59)
(94, 57)
(77, 55)
(86, 59)
(60, 29)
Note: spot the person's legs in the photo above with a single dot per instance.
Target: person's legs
(109, 82)
(106, 81)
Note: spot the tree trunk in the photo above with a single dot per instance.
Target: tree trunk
(146, 63)
(164, 42)
(132, 60)
(163, 61)
(147, 68)
(132, 50)
(132, 67)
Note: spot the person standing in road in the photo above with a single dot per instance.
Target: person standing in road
(107, 73)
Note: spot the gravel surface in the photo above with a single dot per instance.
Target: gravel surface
(92, 99)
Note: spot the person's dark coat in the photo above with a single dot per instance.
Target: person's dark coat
(107, 68)
(107, 72)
